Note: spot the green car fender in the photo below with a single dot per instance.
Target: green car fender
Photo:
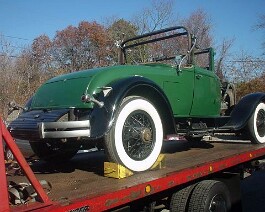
(102, 118)
(243, 111)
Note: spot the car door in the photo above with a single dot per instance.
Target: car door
(179, 90)
(207, 93)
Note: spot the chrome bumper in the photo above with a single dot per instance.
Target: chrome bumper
(69, 129)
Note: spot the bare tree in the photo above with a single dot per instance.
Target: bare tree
(118, 31)
(221, 68)
(248, 73)
(29, 76)
(199, 24)
(158, 16)
(261, 26)
(7, 59)
(41, 50)
(245, 67)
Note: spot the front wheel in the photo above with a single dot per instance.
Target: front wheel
(256, 125)
(135, 139)
(55, 151)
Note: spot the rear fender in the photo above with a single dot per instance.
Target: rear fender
(101, 119)
(243, 111)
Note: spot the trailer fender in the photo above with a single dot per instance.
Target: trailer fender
(244, 110)
(101, 119)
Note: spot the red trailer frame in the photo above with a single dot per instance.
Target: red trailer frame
(115, 198)
(4, 198)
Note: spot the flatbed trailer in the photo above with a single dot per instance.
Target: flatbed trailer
(79, 185)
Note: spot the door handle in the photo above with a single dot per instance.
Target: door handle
(198, 76)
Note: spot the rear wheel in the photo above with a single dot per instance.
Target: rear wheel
(135, 139)
(210, 195)
(256, 125)
(55, 151)
(179, 199)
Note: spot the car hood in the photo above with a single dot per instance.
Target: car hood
(65, 91)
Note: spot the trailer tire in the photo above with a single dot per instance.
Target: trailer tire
(210, 195)
(179, 200)
(55, 151)
(135, 139)
(256, 125)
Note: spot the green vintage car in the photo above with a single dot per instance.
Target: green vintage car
(129, 109)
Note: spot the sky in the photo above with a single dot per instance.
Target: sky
(23, 20)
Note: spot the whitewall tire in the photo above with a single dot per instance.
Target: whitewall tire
(256, 125)
(135, 139)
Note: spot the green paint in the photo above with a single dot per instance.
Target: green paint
(188, 93)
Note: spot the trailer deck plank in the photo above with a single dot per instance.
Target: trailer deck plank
(82, 177)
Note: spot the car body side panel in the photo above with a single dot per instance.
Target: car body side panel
(207, 94)
(178, 87)
(66, 92)
(101, 119)
(179, 90)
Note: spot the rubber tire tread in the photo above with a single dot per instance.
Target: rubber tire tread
(109, 147)
(110, 150)
(179, 199)
(204, 192)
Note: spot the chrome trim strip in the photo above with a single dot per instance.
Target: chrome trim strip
(69, 129)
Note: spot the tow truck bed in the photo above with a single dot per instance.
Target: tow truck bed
(80, 183)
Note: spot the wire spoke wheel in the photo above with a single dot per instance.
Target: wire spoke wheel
(138, 135)
(135, 139)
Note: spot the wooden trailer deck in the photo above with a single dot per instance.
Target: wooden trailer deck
(81, 179)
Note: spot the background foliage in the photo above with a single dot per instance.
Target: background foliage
(92, 44)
